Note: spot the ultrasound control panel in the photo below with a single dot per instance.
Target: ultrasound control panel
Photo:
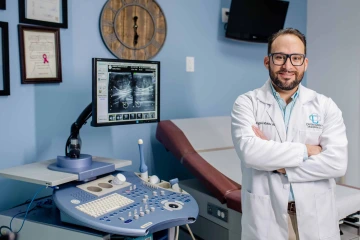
(132, 208)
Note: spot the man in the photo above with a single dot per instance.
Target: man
(292, 145)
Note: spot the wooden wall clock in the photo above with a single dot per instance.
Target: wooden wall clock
(133, 29)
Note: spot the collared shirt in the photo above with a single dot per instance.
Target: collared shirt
(286, 110)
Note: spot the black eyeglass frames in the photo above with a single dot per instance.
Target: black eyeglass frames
(280, 59)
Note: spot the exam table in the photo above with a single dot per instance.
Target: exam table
(204, 146)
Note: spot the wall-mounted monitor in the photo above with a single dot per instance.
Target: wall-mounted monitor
(125, 92)
(255, 20)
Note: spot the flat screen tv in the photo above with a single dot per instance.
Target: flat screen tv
(255, 20)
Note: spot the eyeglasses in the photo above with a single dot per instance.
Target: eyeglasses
(280, 59)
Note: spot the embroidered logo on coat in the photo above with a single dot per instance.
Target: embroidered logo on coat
(315, 118)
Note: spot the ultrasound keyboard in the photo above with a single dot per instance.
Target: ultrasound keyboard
(104, 205)
(135, 208)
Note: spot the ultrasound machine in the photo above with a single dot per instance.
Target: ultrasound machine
(92, 197)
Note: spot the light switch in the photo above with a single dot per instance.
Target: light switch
(190, 64)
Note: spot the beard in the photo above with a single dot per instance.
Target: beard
(287, 85)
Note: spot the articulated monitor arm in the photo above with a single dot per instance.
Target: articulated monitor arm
(73, 143)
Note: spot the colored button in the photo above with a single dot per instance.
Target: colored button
(75, 201)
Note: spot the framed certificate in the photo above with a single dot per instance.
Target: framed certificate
(40, 54)
(49, 13)
(4, 60)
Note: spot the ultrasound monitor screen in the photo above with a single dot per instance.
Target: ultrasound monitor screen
(125, 91)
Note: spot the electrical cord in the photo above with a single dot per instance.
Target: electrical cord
(177, 230)
(192, 235)
(6, 227)
(27, 210)
(28, 200)
(26, 213)
(177, 233)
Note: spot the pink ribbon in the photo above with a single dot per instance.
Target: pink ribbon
(45, 58)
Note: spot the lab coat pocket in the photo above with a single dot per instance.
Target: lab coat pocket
(311, 137)
(326, 214)
(256, 217)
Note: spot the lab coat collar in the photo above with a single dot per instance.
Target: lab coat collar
(265, 94)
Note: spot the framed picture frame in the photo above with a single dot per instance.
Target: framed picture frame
(4, 60)
(48, 13)
(40, 57)
(2, 4)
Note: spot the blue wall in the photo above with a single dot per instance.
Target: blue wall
(35, 119)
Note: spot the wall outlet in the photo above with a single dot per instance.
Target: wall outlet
(224, 17)
(190, 64)
(218, 212)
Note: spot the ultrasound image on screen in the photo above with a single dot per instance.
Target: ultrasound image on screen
(120, 91)
(131, 92)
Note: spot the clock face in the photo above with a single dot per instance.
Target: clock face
(133, 29)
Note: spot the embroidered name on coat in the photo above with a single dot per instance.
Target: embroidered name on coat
(265, 123)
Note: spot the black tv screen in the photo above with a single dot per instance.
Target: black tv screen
(255, 20)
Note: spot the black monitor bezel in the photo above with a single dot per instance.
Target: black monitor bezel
(94, 121)
(234, 30)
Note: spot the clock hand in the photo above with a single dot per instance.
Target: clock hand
(136, 36)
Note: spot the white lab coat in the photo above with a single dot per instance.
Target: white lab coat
(315, 119)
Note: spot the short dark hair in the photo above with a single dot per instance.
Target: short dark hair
(285, 31)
